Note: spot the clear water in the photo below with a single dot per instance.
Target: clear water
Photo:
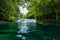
(28, 29)
(26, 26)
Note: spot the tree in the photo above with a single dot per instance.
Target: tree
(40, 8)
(8, 9)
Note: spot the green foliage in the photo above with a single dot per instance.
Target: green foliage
(8, 9)
(44, 7)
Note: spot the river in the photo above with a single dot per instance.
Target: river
(28, 29)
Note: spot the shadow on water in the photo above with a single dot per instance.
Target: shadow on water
(8, 31)
(50, 31)
(28, 29)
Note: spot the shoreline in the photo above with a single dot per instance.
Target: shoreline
(47, 23)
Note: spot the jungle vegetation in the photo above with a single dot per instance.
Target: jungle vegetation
(44, 10)
(9, 10)
(41, 10)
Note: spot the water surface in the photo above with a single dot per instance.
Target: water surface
(28, 29)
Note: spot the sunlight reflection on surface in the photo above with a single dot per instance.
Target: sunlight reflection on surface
(24, 25)
(25, 28)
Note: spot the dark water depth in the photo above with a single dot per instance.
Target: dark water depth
(28, 29)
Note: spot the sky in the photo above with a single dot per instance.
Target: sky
(23, 10)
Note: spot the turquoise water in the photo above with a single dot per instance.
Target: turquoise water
(28, 29)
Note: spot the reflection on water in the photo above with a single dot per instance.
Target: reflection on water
(28, 29)
(25, 26)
